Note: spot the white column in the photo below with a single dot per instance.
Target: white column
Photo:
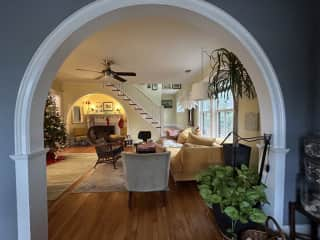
(275, 181)
(31, 192)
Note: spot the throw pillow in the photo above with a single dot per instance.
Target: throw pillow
(183, 136)
(197, 131)
(100, 141)
(194, 139)
(172, 133)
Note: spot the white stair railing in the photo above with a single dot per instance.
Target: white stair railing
(148, 106)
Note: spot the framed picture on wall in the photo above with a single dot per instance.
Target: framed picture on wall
(108, 106)
(167, 103)
(154, 86)
(176, 86)
(166, 85)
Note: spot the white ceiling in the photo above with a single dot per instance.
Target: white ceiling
(157, 48)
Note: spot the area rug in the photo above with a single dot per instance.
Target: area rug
(104, 179)
(63, 174)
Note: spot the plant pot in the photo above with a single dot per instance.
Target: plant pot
(224, 223)
(242, 154)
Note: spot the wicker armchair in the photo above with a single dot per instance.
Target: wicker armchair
(108, 153)
(108, 145)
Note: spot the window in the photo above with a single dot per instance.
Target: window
(205, 117)
(216, 116)
(224, 115)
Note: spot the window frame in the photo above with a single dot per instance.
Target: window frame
(214, 115)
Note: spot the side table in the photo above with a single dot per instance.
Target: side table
(314, 221)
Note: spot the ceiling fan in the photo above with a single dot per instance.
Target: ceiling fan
(108, 72)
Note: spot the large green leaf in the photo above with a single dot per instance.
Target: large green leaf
(257, 216)
(232, 212)
(215, 198)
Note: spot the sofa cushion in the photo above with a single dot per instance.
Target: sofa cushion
(194, 139)
(175, 161)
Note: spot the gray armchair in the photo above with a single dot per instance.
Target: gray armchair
(147, 172)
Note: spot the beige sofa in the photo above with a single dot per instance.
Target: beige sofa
(189, 160)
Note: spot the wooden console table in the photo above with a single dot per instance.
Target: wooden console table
(314, 221)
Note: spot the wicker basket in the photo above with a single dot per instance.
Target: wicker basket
(268, 234)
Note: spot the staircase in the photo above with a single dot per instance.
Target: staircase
(139, 102)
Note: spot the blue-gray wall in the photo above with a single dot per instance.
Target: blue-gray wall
(316, 82)
(282, 27)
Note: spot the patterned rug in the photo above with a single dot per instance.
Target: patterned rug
(63, 174)
(104, 179)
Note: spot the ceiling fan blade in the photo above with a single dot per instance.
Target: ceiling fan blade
(118, 78)
(133, 74)
(99, 77)
(88, 70)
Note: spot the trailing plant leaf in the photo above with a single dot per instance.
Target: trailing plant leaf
(257, 216)
(232, 212)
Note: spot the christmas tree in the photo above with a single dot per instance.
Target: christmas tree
(54, 129)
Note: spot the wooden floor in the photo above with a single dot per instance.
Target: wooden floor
(97, 216)
(82, 149)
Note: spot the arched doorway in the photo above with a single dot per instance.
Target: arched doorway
(90, 106)
(29, 152)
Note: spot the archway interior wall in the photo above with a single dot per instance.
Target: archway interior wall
(71, 99)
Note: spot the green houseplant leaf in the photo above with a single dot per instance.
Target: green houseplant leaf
(236, 192)
(257, 215)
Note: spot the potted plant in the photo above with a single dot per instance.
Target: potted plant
(227, 74)
(54, 129)
(234, 195)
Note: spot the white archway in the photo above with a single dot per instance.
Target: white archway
(29, 152)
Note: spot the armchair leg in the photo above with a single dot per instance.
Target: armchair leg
(164, 198)
(130, 200)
